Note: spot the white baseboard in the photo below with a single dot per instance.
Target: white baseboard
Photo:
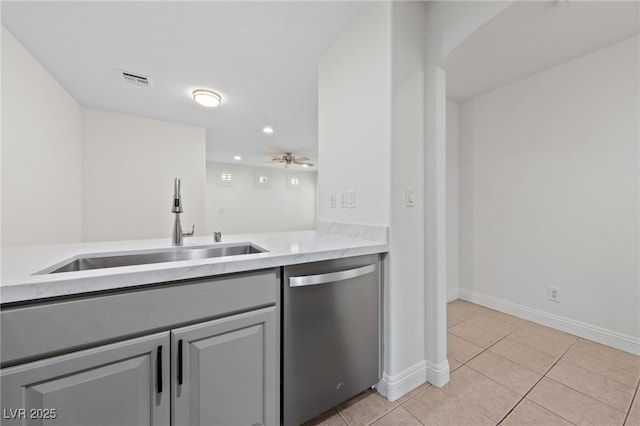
(588, 331)
(393, 387)
(438, 374)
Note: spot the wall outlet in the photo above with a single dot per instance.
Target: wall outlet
(553, 294)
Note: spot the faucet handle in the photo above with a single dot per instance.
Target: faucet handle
(217, 236)
(188, 234)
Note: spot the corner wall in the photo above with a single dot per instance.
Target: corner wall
(405, 365)
(72, 174)
(453, 173)
(41, 153)
(550, 196)
(447, 25)
(370, 139)
(354, 122)
(128, 167)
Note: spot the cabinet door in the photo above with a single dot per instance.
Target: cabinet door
(124, 383)
(226, 371)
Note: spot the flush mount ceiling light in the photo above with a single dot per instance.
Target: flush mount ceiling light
(237, 157)
(206, 98)
(268, 130)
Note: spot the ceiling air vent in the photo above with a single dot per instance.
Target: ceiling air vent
(137, 79)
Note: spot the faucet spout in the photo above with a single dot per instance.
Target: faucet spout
(177, 199)
(178, 235)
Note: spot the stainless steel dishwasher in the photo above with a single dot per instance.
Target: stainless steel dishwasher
(331, 334)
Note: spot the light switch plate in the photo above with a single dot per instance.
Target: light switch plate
(332, 200)
(410, 196)
(343, 199)
(351, 198)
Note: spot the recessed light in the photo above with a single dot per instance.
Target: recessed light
(237, 157)
(268, 130)
(206, 98)
(305, 165)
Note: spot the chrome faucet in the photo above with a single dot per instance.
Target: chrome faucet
(178, 235)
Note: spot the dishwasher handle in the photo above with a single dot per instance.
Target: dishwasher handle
(330, 277)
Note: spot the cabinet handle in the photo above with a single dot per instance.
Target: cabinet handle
(180, 362)
(159, 369)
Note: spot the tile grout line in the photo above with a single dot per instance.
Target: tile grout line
(554, 413)
(528, 347)
(370, 392)
(635, 395)
(381, 416)
(536, 384)
(544, 375)
(517, 403)
(419, 393)
(540, 335)
(343, 419)
(588, 396)
(401, 405)
(596, 372)
(523, 324)
(484, 349)
(601, 375)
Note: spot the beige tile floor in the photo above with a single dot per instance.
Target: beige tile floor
(508, 371)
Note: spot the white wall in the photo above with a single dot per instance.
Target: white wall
(405, 287)
(248, 208)
(41, 153)
(354, 123)
(372, 108)
(450, 23)
(452, 200)
(447, 25)
(549, 193)
(370, 138)
(128, 167)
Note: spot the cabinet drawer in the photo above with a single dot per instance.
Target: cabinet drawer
(39, 330)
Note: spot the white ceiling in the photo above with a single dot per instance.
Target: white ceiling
(260, 56)
(529, 37)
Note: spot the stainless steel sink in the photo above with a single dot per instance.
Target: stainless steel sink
(100, 261)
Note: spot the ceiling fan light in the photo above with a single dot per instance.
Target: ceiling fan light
(268, 130)
(207, 98)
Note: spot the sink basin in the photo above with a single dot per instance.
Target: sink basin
(97, 261)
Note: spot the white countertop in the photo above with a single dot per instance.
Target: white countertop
(20, 264)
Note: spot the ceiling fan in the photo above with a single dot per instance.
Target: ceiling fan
(287, 159)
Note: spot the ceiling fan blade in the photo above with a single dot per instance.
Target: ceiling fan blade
(303, 158)
(302, 163)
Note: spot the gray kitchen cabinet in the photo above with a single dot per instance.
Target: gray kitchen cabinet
(208, 355)
(124, 383)
(224, 371)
